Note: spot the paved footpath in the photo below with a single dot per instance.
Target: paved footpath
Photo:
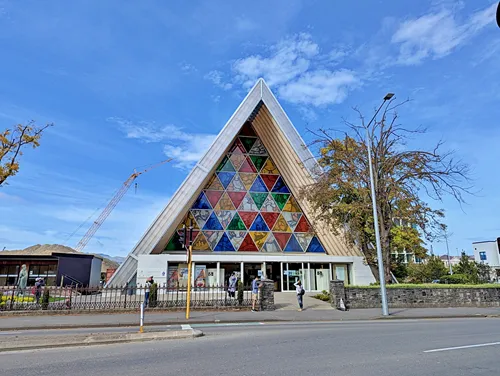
(170, 318)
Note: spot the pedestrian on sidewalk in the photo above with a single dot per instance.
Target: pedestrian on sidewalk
(147, 287)
(38, 289)
(232, 286)
(255, 292)
(300, 294)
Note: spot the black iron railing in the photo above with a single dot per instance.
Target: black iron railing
(121, 298)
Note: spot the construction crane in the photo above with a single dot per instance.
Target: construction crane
(112, 204)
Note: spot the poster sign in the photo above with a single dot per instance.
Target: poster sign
(173, 277)
(200, 279)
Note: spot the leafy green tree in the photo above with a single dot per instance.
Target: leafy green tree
(13, 142)
(467, 267)
(341, 196)
(427, 272)
(483, 273)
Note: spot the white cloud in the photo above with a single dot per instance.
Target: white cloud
(185, 148)
(295, 68)
(245, 24)
(437, 34)
(217, 79)
(188, 68)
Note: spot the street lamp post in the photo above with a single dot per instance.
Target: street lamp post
(381, 273)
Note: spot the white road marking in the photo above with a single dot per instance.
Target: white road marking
(186, 327)
(463, 347)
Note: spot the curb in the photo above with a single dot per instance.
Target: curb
(104, 339)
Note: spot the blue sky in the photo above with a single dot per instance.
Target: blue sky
(129, 83)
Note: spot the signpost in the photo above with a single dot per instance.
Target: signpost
(189, 249)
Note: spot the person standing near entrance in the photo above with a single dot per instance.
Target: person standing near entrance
(149, 282)
(300, 294)
(232, 286)
(255, 292)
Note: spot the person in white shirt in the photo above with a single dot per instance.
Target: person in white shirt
(147, 286)
(300, 294)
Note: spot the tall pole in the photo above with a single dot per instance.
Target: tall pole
(448, 250)
(381, 272)
(190, 266)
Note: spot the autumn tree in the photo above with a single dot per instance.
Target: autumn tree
(13, 142)
(405, 179)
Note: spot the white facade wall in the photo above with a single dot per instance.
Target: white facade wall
(491, 250)
(95, 272)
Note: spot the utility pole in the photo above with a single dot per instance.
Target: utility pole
(189, 249)
(448, 250)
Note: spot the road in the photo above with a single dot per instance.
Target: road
(403, 347)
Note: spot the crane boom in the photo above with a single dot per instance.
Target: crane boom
(111, 205)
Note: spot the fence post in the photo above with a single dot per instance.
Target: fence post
(141, 329)
(126, 293)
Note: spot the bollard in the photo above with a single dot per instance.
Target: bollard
(141, 328)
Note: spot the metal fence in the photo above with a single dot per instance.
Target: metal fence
(121, 298)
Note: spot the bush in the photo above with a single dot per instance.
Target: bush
(240, 292)
(45, 298)
(153, 295)
(324, 296)
(456, 279)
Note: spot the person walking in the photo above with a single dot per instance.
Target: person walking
(300, 294)
(231, 289)
(38, 289)
(255, 292)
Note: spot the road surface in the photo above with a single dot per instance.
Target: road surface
(450, 347)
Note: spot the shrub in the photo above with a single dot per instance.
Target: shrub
(456, 279)
(240, 292)
(45, 298)
(153, 295)
(324, 296)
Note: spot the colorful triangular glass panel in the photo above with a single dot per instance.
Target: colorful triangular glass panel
(236, 238)
(214, 184)
(236, 197)
(236, 185)
(212, 223)
(259, 224)
(292, 219)
(259, 238)
(237, 160)
(236, 224)
(226, 165)
(224, 245)
(248, 142)
(201, 216)
(214, 196)
(271, 245)
(248, 245)
(269, 180)
(225, 203)
(280, 199)
(282, 238)
(201, 243)
(225, 177)
(247, 130)
(304, 239)
(281, 225)
(248, 217)
(270, 205)
(293, 245)
(248, 180)
(315, 246)
(258, 161)
(269, 168)
(237, 148)
(292, 206)
(248, 204)
(213, 238)
(225, 217)
(280, 186)
(270, 218)
(174, 243)
(258, 148)
(202, 202)
(258, 186)
(247, 166)
(258, 198)
(303, 225)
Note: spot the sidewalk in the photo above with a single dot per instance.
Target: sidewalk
(198, 317)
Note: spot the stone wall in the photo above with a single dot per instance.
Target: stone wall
(358, 297)
(267, 295)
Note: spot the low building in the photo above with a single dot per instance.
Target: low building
(488, 252)
(56, 269)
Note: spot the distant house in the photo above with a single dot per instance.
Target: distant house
(453, 260)
(488, 252)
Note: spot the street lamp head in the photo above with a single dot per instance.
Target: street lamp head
(388, 96)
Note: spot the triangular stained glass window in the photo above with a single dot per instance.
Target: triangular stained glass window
(202, 202)
(270, 218)
(225, 177)
(269, 168)
(248, 180)
(248, 204)
(292, 219)
(271, 245)
(270, 205)
(237, 148)
(236, 224)
(247, 166)
(236, 184)
(258, 186)
(225, 203)
(315, 246)
(259, 224)
(224, 245)
(280, 186)
(213, 237)
(214, 184)
(236, 237)
(303, 225)
(226, 165)
(269, 180)
(248, 142)
(258, 148)
(212, 223)
(258, 198)
(225, 217)
(248, 217)
(258, 161)
(293, 245)
(201, 243)
(281, 225)
(201, 216)
(174, 243)
(282, 238)
(248, 245)
(236, 197)
(214, 196)
(280, 199)
(247, 130)
(259, 238)
(304, 239)
(237, 160)
(292, 206)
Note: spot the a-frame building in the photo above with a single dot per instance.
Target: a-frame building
(244, 200)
